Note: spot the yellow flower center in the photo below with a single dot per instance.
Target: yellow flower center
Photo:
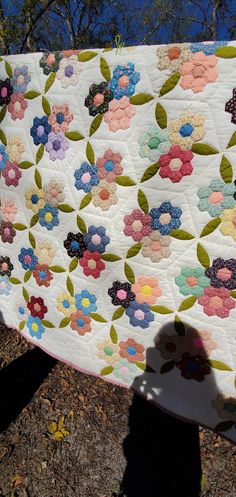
(48, 217)
(34, 327)
(146, 290)
(85, 302)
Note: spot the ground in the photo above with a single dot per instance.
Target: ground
(66, 434)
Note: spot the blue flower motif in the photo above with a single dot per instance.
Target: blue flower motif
(96, 239)
(85, 302)
(3, 157)
(165, 218)
(139, 314)
(5, 285)
(21, 79)
(123, 81)
(27, 258)
(86, 177)
(35, 327)
(40, 130)
(48, 217)
(207, 48)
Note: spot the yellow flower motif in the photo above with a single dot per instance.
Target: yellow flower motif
(45, 252)
(228, 225)
(15, 148)
(108, 351)
(34, 199)
(66, 304)
(186, 130)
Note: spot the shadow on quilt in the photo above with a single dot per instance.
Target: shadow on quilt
(15, 387)
(163, 452)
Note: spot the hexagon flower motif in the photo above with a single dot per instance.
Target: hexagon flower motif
(37, 307)
(80, 323)
(228, 223)
(5, 91)
(7, 232)
(153, 143)
(27, 258)
(17, 106)
(69, 71)
(121, 293)
(34, 199)
(66, 304)
(192, 281)
(171, 347)
(21, 79)
(222, 273)
(119, 114)
(8, 210)
(139, 314)
(15, 148)
(50, 62)
(6, 266)
(60, 118)
(186, 130)
(137, 225)
(199, 342)
(21, 310)
(42, 275)
(40, 130)
(75, 244)
(35, 327)
(146, 289)
(3, 157)
(86, 302)
(193, 367)
(124, 80)
(54, 194)
(125, 370)
(109, 166)
(216, 302)
(225, 406)
(104, 195)
(173, 56)
(176, 164)
(5, 285)
(131, 350)
(45, 252)
(11, 174)
(48, 217)
(92, 264)
(86, 177)
(56, 146)
(216, 197)
(96, 239)
(207, 47)
(156, 246)
(198, 72)
(230, 106)
(108, 351)
(165, 218)
(98, 98)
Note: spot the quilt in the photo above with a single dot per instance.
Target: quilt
(118, 217)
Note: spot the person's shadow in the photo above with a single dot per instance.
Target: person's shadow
(163, 452)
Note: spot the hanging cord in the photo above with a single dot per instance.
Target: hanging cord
(118, 44)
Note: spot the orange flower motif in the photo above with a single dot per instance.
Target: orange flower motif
(80, 322)
(198, 71)
(146, 290)
(131, 350)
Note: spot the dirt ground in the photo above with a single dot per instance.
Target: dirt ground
(66, 434)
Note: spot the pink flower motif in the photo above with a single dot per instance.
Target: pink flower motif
(92, 264)
(17, 106)
(119, 114)
(11, 173)
(146, 289)
(176, 164)
(216, 302)
(109, 166)
(137, 225)
(199, 342)
(198, 71)
(8, 210)
(60, 118)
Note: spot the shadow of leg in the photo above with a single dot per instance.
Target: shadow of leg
(19, 381)
(163, 454)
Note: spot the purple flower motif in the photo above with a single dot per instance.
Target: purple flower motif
(57, 146)
(139, 314)
(40, 130)
(121, 293)
(222, 273)
(5, 91)
(21, 79)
